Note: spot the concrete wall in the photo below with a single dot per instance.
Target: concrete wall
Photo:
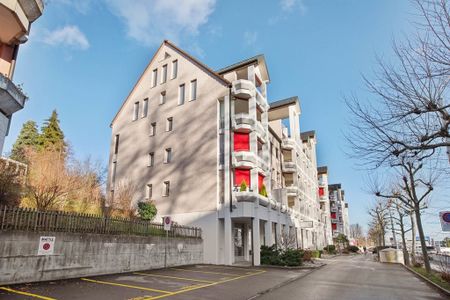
(77, 255)
(3, 129)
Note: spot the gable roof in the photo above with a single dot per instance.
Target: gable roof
(283, 102)
(186, 55)
(260, 59)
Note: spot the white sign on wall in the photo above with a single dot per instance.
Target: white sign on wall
(444, 216)
(306, 224)
(46, 245)
(167, 222)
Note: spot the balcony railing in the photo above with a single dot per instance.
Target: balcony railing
(11, 97)
(243, 123)
(243, 88)
(292, 190)
(244, 159)
(289, 167)
(288, 143)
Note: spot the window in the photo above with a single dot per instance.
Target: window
(168, 155)
(166, 189)
(145, 108)
(151, 159)
(181, 94)
(149, 191)
(113, 173)
(164, 74)
(169, 124)
(154, 77)
(136, 111)
(174, 69)
(162, 98)
(153, 129)
(116, 144)
(193, 89)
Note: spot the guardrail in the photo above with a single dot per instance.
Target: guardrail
(16, 218)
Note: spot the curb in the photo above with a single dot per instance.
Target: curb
(284, 283)
(293, 268)
(429, 282)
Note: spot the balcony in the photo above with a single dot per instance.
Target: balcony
(11, 98)
(33, 9)
(261, 101)
(292, 191)
(243, 123)
(289, 167)
(261, 132)
(252, 197)
(262, 162)
(244, 89)
(288, 144)
(334, 221)
(244, 159)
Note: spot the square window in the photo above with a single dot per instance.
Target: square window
(181, 94)
(169, 124)
(154, 77)
(145, 108)
(193, 89)
(166, 188)
(164, 74)
(162, 98)
(153, 129)
(168, 155)
(174, 69)
(151, 159)
(149, 192)
(135, 111)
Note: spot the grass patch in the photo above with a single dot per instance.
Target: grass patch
(434, 277)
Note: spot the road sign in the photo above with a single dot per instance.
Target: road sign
(167, 223)
(46, 245)
(444, 216)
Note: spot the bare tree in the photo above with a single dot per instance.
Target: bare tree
(356, 232)
(121, 204)
(399, 217)
(378, 224)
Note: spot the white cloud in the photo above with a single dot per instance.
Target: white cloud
(70, 36)
(151, 21)
(291, 5)
(250, 37)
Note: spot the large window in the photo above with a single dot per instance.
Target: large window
(166, 188)
(174, 69)
(241, 141)
(168, 155)
(116, 144)
(241, 175)
(135, 111)
(164, 74)
(154, 77)
(181, 94)
(169, 124)
(145, 108)
(193, 89)
(149, 191)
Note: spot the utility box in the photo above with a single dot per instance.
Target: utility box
(391, 255)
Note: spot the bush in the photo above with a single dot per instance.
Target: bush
(263, 191)
(331, 249)
(315, 254)
(417, 265)
(243, 187)
(276, 257)
(147, 210)
(307, 255)
(353, 249)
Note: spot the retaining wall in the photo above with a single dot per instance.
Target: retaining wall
(78, 255)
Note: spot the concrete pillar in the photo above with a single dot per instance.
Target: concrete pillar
(256, 242)
(246, 241)
(228, 230)
(278, 232)
(268, 233)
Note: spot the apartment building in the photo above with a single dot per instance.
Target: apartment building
(211, 151)
(16, 17)
(322, 176)
(339, 210)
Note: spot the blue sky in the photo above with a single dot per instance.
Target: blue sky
(84, 56)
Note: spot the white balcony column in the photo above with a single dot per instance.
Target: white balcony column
(254, 181)
(256, 242)
(228, 231)
(268, 232)
(264, 89)
(278, 232)
(251, 73)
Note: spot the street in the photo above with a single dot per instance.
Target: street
(356, 277)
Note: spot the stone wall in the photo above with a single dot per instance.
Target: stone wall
(77, 255)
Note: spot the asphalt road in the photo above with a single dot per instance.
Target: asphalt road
(359, 278)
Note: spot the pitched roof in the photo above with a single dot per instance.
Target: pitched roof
(308, 134)
(260, 59)
(183, 53)
(284, 102)
(334, 186)
(322, 170)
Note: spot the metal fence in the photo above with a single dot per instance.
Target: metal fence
(16, 218)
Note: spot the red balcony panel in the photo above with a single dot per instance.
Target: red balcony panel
(241, 141)
(260, 180)
(333, 215)
(321, 191)
(241, 175)
(334, 226)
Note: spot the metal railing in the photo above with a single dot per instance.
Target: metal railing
(16, 218)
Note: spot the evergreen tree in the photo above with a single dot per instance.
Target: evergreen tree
(28, 138)
(52, 137)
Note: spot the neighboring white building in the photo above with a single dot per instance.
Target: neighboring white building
(188, 138)
(322, 173)
(339, 210)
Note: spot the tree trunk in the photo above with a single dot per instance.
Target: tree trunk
(426, 260)
(405, 251)
(413, 241)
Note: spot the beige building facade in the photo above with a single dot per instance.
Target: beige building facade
(209, 150)
(16, 17)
